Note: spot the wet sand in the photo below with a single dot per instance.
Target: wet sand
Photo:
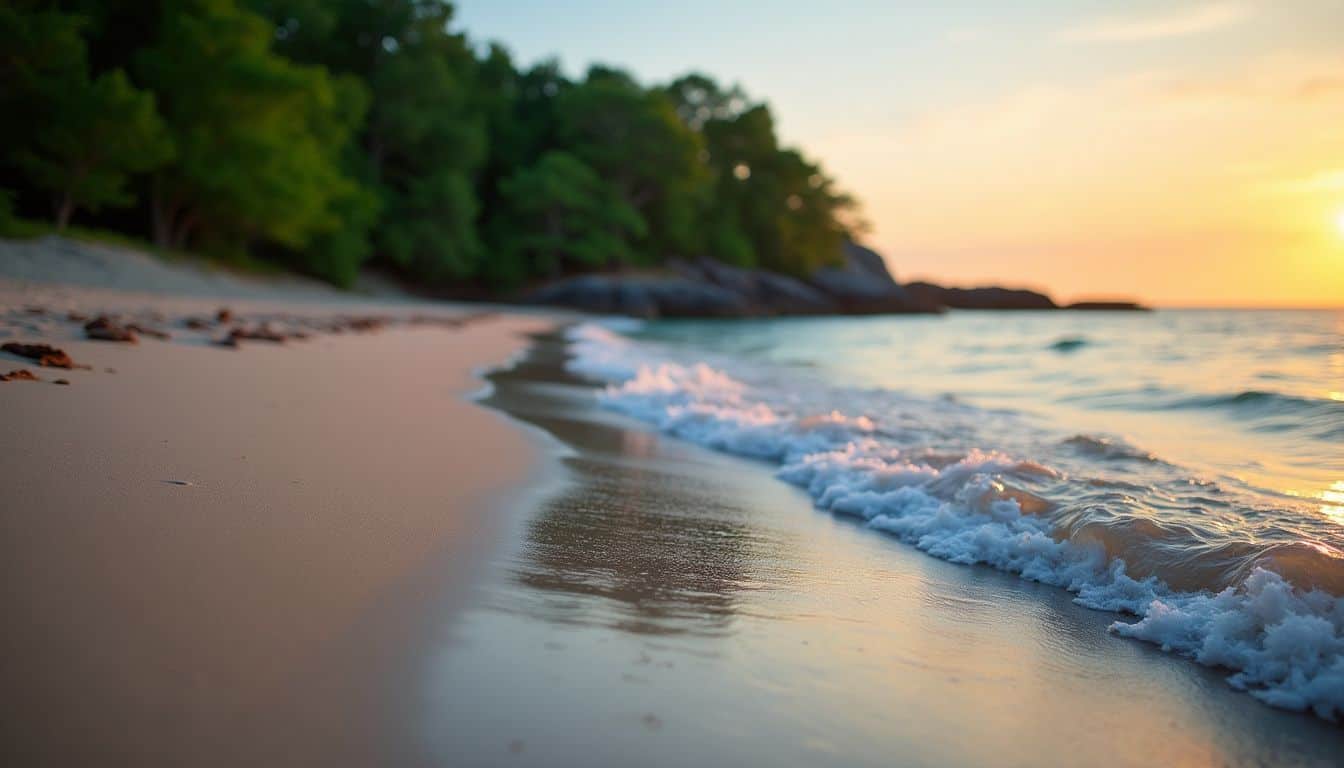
(663, 605)
(235, 557)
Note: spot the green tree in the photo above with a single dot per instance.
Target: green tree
(81, 138)
(424, 138)
(633, 138)
(563, 215)
(258, 137)
(103, 131)
(770, 206)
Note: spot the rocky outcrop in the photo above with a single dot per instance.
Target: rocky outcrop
(989, 297)
(647, 296)
(764, 293)
(1108, 306)
(860, 284)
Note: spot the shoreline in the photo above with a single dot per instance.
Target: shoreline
(222, 556)
(688, 606)
(430, 544)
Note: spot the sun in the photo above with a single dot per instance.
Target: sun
(1339, 223)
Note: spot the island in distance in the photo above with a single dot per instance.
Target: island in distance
(859, 285)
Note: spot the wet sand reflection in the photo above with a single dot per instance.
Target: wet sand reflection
(626, 544)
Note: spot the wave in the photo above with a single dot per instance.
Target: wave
(1264, 606)
(1069, 344)
(1320, 418)
(1108, 448)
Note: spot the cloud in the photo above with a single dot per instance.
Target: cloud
(1191, 21)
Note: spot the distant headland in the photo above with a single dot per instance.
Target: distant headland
(860, 284)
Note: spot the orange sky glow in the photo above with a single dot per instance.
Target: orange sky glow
(1182, 152)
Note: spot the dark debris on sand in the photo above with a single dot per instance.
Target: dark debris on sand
(145, 330)
(46, 355)
(263, 332)
(236, 328)
(104, 328)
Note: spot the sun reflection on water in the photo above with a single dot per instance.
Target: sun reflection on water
(1333, 497)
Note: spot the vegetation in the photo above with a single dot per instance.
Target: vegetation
(325, 134)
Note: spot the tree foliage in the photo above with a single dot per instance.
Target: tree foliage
(258, 137)
(565, 216)
(84, 137)
(323, 133)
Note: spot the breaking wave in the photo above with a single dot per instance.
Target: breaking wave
(1205, 571)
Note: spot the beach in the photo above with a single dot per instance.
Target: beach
(218, 556)
(673, 606)
(416, 534)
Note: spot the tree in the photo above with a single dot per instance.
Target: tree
(424, 138)
(80, 138)
(258, 138)
(562, 214)
(770, 206)
(102, 132)
(633, 139)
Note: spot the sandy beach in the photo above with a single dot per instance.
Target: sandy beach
(407, 534)
(225, 556)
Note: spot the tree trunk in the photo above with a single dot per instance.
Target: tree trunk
(183, 231)
(553, 231)
(64, 209)
(163, 219)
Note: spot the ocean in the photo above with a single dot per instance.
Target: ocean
(1181, 468)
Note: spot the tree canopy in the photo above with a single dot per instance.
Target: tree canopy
(327, 133)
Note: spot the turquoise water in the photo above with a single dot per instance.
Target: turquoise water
(1182, 467)
(1254, 399)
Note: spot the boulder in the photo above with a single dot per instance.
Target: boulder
(987, 297)
(861, 284)
(647, 296)
(767, 293)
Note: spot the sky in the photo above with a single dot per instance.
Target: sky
(1182, 153)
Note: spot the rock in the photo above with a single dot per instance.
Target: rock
(20, 374)
(1109, 306)
(224, 315)
(46, 355)
(989, 297)
(62, 382)
(861, 284)
(646, 296)
(767, 293)
(104, 328)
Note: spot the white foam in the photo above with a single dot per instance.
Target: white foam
(1285, 646)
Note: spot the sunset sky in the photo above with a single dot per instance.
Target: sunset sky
(1183, 153)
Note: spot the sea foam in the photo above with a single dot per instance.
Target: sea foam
(876, 458)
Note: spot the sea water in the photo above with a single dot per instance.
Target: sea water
(1184, 469)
